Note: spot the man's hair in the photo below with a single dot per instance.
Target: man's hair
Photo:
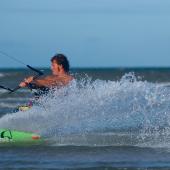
(61, 60)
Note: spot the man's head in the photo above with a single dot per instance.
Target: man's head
(59, 64)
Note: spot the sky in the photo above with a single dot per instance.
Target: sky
(91, 33)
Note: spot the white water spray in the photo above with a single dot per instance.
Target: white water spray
(126, 112)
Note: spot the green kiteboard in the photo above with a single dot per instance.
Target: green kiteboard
(14, 136)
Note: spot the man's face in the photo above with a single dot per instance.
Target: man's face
(56, 68)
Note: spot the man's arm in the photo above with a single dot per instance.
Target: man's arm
(48, 81)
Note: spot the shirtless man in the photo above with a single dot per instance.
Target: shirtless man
(60, 75)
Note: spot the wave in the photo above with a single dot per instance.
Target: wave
(125, 112)
(18, 91)
(7, 105)
(2, 75)
(13, 99)
(5, 74)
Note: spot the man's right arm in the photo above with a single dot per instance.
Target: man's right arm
(48, 81)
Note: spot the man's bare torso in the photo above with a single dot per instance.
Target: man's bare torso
(54, 81)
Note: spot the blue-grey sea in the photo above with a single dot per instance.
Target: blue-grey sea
(106, 119)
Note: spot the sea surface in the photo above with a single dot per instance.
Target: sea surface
(107, 118)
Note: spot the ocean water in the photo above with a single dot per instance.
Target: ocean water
(105, 119)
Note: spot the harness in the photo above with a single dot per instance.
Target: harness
(39, 90)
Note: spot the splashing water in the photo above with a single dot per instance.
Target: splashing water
(126, 112)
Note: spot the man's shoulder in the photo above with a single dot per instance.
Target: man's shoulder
(51, 77)
(67, 78)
